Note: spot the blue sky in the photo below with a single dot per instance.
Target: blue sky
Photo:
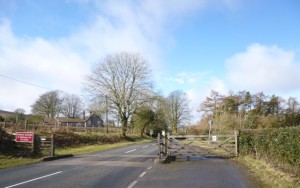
(192, 45)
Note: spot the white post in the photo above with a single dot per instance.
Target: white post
(209, 123)
(236, 143)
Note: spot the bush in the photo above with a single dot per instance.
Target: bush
(73, 140)
(277, 146)
(6, 142)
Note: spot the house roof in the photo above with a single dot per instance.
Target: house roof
(68, 120)
(6, 113)
(87, 118)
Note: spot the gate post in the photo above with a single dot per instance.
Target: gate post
(166, 144)
(236, 134)
(52, 145)
(4, 123)
(159, 146)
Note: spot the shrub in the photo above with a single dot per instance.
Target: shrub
(277, 146)
(6, 142)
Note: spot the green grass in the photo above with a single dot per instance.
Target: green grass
(95, 148)
(10, 162)
(269, 175)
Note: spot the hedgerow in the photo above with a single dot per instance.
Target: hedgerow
(6, 142)
(62, 139)
(70, 139)
(280, 147)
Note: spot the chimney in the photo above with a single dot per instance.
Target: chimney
(83, 115)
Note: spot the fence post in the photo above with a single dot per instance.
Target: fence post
(158, 143)
(52, 145)
(34, 140)
(168, 144)
(165, 144)
(26, 124)
(236, 134)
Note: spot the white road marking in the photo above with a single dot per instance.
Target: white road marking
(145, 146)
(132, 184)
(34, 179)
(142, 174)
(149, 167)
(130, 151)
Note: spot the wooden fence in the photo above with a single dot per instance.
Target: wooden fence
(189, 147)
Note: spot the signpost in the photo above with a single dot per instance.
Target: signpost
(214, 138)
(25, 137)
(151, 133)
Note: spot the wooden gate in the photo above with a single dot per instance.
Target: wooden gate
(196, 147)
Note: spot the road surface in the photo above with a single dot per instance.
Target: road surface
(113, 168)
(129, 167)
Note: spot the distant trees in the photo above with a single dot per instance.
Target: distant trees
(177, 109)
(72, 106)
(2, 119)
(48, 104)
(243, 110)
(143, 118)
(122, 79)
(151, 116)
(20, 114)
(53, 103)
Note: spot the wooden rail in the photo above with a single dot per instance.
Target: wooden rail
(198, 145)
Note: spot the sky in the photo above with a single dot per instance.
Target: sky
(193, 45)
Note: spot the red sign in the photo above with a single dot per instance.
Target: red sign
(24, 137)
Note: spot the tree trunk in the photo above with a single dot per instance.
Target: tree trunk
(124, 126)
(175, 130)
(142, 131)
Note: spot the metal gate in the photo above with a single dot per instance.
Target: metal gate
(197, 147)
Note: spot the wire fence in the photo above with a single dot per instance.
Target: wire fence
(40, 127)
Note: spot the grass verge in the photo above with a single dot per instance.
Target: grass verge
(94, 148)
(10, 162)
(269, 175)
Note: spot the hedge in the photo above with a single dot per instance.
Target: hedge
(63, 139)
(277, 146)
(6, 142)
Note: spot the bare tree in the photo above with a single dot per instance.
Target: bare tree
(212, 104)
(48, 104)
(72, 106)
(122, 79)
(20, 114)
(178, 111)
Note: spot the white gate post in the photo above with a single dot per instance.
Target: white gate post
(236, 134)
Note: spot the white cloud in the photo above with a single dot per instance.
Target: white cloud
(264, 68)
(60, 63)
(188, 78)
(38, 62)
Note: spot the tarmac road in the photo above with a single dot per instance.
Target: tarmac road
(131, 166)
(112, 168)
(206, 173)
